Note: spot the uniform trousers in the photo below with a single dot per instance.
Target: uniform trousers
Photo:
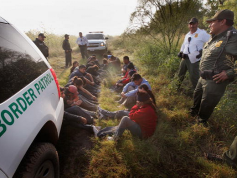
(207, 95)
(192, 68)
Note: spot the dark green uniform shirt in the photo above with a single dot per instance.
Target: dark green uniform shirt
(212, 50)
(66, 45)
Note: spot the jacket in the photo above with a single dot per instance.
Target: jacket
(133, 92)
(145, 117)
(42, 47)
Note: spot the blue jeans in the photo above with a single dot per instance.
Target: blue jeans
(115, 114)
(127, 124)
(76, 110)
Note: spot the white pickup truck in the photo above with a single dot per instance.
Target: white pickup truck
(97, 42)
(31, 108)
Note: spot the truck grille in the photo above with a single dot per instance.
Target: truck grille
(93, 44)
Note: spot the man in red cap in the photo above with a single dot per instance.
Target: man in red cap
(216, 66)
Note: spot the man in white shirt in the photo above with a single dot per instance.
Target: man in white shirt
(191, 52)
(82, 43)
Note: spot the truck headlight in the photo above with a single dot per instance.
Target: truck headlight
(102, 44)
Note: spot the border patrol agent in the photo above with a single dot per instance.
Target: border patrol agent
(216, 66)
(39, 42)
(68, 51)
(191, 52)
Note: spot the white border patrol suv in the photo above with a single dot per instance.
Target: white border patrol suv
(31, 108)
(96, 42)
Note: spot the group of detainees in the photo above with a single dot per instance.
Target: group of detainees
(81, 93)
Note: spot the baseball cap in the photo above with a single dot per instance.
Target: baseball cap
(72, 89)
(41, 34)
(193, 20)
(223, 14)
(142, 97)
(66, 35)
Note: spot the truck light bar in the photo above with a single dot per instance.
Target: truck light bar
(97, 32)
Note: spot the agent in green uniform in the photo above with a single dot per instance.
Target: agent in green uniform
(216, 66)
(68, 51)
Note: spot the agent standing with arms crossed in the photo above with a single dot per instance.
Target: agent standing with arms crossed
(191, 52)
(82, 43)
(216, 66)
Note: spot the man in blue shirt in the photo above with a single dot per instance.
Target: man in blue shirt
(129, 91)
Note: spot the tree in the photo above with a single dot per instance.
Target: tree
(164, 20)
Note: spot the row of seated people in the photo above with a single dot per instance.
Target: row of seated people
(83, 88)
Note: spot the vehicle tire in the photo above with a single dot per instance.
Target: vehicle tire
(41, 161)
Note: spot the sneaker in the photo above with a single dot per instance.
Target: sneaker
(95, 130)
(213, 157)
(109, 138)
(100, 115)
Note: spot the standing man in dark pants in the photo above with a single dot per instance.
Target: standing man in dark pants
(216, 66)
(191, 52)
(82, 43)
(68, 51)
(39, 42)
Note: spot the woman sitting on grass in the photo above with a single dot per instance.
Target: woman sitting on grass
(142, 119)
(74, 65)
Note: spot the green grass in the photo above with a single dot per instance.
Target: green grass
(178, 145)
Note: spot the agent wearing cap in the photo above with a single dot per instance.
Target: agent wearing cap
(68, 51)
(191, 52)
(39, 42)
(216, 66)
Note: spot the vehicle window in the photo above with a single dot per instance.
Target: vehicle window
(20, 64)
(94, 36)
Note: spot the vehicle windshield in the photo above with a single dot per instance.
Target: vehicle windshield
(94, 36)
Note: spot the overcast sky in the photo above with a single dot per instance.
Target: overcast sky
(69, 16)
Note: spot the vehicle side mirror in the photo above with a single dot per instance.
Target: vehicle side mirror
(106, 38)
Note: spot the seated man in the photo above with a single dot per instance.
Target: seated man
(114, 62)
(76, 117)
(126, 63)
(129, 91)
(81, 72)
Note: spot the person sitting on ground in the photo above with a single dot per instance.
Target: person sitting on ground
(76, 117)
(93, 70)
(142, 119)
(74, 65)
(105, 56)
(93, 60)
(73, 99)
(105, 114)
(129, 90)
(115, 63)
(126, 63)
(81, 71)
(121, 83)
(78, 82)
(125, 79)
